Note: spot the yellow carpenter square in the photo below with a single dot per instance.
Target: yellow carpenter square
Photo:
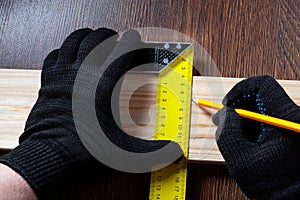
(172, 122)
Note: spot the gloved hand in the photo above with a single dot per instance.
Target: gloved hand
(51, 153)
(263, 159)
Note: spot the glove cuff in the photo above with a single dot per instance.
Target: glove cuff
(39, 164)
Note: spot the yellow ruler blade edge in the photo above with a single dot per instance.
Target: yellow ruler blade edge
(172, 122)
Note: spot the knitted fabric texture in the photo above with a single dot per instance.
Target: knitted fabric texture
(263, 159)
(50, 154)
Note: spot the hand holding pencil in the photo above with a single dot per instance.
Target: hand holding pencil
(264, 159)
(253, 115)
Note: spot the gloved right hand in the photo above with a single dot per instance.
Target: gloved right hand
(263, 159)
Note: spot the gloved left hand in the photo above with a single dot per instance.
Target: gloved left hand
(51, 153)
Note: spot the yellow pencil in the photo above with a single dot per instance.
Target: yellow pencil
(254, 116)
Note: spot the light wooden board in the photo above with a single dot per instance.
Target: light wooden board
(19, 89)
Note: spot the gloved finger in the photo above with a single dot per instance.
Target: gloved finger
(220, 115)
(219, 120)
(231, 128)
(51, 58)
(261, 94)
(120, 57)
(68, 50)
(93, 39)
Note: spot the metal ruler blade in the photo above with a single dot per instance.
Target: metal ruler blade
(172, 120)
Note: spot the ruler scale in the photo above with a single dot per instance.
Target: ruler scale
(172, 120)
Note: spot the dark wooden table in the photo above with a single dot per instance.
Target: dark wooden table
(245, 38)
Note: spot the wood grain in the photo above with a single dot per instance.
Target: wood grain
(19, 89)
(18, 93)
(245, 38)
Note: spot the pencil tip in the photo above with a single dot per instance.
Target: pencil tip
(194, 99)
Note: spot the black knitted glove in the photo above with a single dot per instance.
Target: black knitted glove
(50, 153)
(263, 159)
